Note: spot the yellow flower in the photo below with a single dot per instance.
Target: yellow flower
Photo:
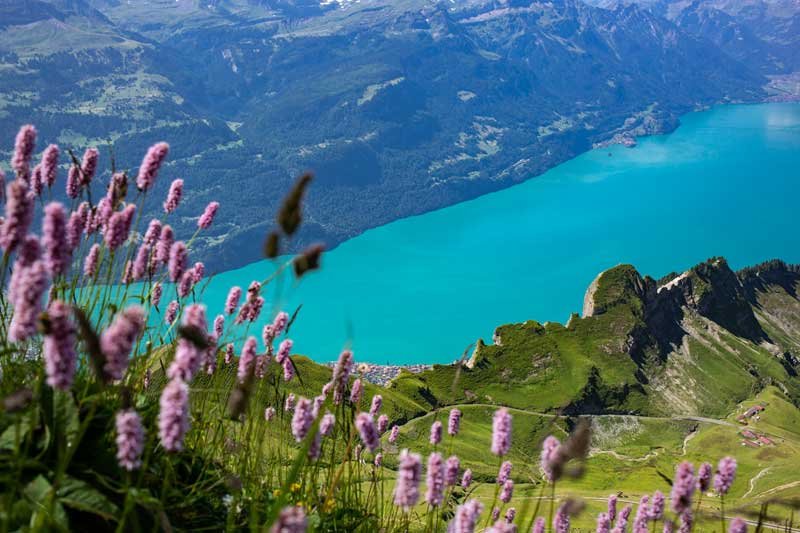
(295, 487)
(276, 492)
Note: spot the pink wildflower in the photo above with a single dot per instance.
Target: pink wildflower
(409, 470)
(232, 302)
(130, 439)
(207, 217)
(150, 164)
(89, 165)
(19, 214)
(302, 419)
(57, 253)
(50, 164)
(501, 432)
(59, 347)
(435, 480)
(173, 418)
(367, 431)
(118, 339)
(178, 256)
(90, 263)
(173, 196)
(23, 150)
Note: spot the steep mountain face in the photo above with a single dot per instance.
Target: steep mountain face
(694, 344)
(760, 33)
(399, 107)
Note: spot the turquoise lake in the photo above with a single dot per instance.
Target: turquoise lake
(420, 290)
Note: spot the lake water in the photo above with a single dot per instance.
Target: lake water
(420, 290)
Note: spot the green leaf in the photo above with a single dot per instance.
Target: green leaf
(9, 437)
(81, 496)
(66, 416)
(38, 489)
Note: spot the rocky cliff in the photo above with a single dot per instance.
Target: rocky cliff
(693, 343)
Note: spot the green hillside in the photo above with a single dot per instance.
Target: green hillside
(651, 403)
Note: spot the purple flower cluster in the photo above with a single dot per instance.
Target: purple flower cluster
(118, 339)
(89, 165)
(409, 470)
(18, 216)
(23, 150)
(130, 439)
(436, 433)
(25, 294)
(284, 349)
(550, 461)
(642, 515)
(150, 165)
(683, 487)
(90, 263)
(612, 507)
(356, 391)
(341, 375)
(466, 517)
(207, 217)
(561, 520)
(59, 347)
(704, 477)
(737, 525)
(290, 520)
(504, 473)
(232, 301)
(172, 312)
(657, 506)
(383, 423)
(118, 227)
(451, 470)
(435, 480)
(603, 523)
(165, 241)
(173, 196)
(367, 431)
(57, 253)
(251, 308)
(454, 422)
(506, 491)
(289, 404)
(501, 432)
(302, 419)
(173, 417)
(326, 424)
(726, 472)
(188, 356)
(247, 359)
(466, 479)
(178, 256)
(49, 164)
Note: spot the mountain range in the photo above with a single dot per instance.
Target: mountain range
(399, 107)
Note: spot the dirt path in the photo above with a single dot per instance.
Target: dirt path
(753, 481)
(686, 440)
(779, 488)
(612, 453)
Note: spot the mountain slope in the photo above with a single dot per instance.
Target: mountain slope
(760, 33)
(366, 94)
(693, 344)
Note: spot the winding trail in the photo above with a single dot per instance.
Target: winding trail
(687, 438)
(753, 481)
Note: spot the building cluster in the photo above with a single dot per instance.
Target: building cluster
(750, 438)
(383, 374)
